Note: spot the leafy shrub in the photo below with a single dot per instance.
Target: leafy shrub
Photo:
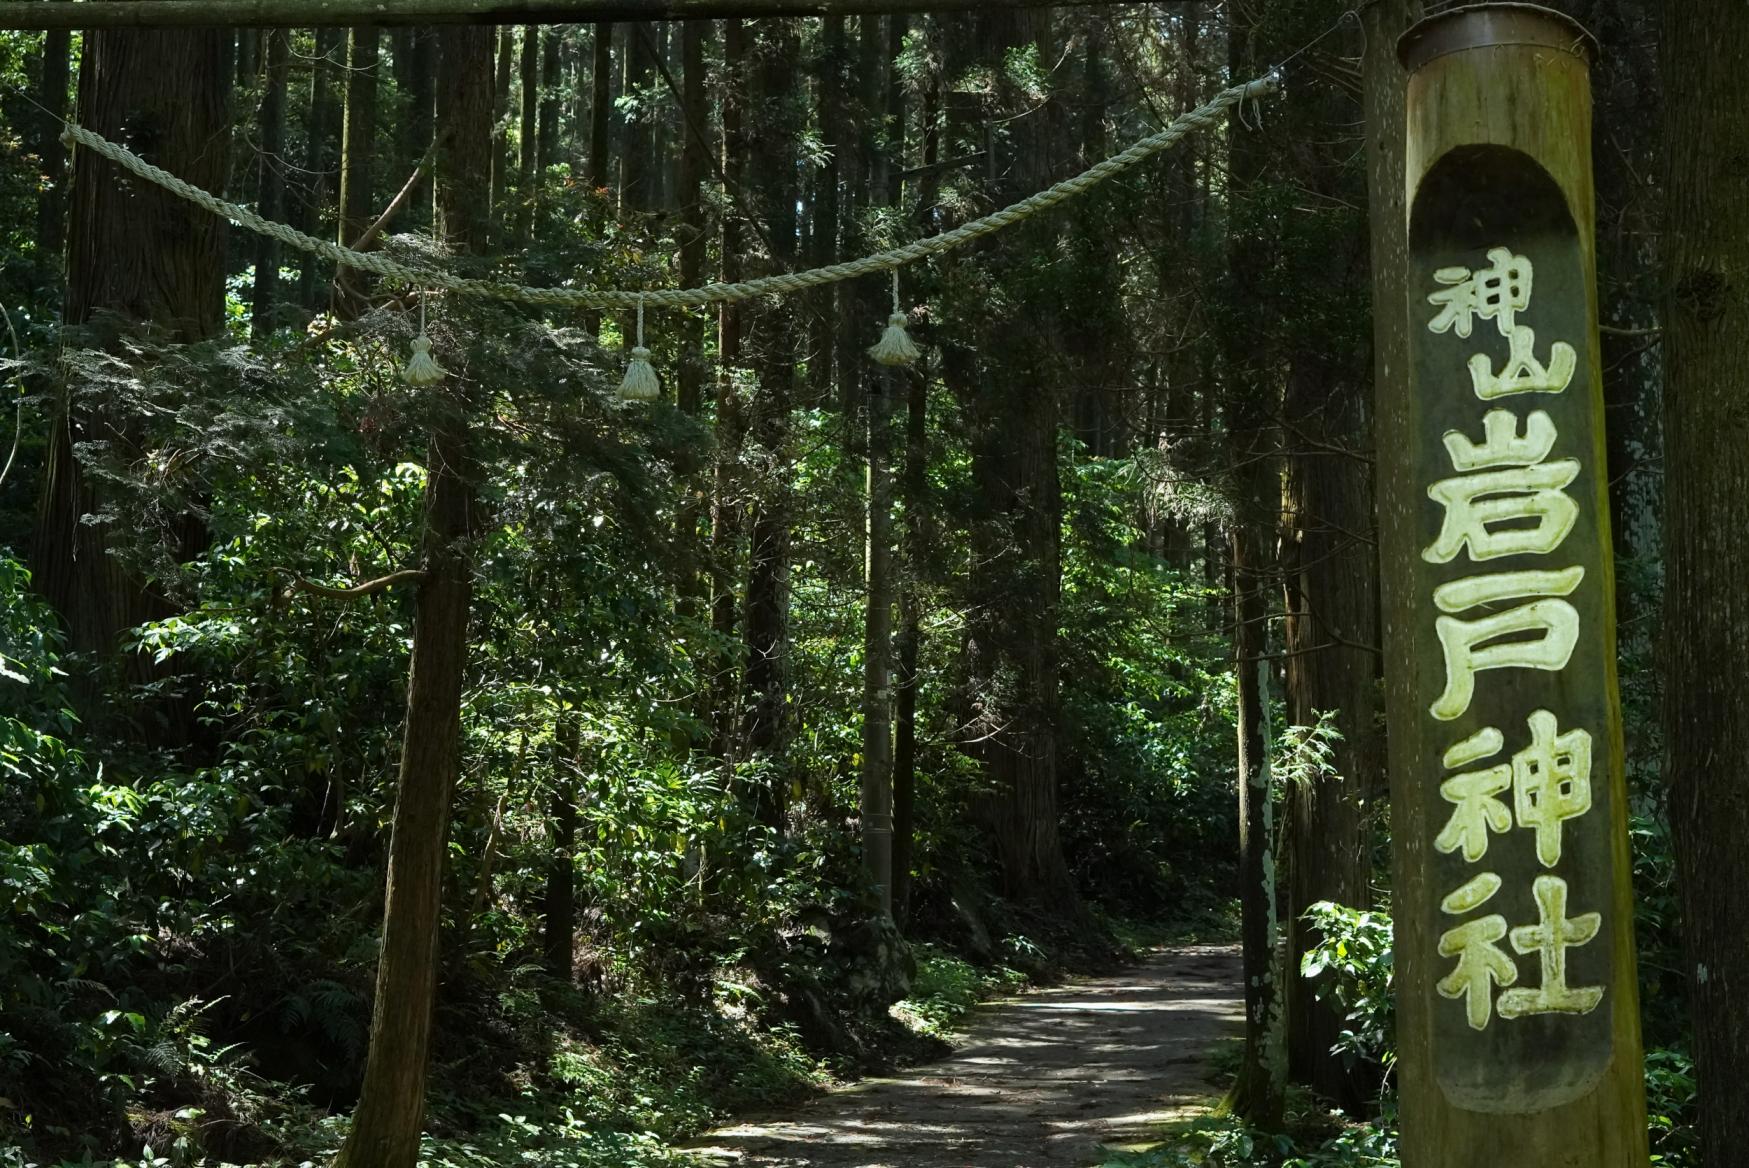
(1353, 965)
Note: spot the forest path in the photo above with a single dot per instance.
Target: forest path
(1039, 1081)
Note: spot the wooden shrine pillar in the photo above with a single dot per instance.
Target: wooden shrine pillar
(1518, 1013)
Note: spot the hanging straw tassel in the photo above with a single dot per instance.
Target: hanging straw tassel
(422, 368)
(640, 382)
(895, 346)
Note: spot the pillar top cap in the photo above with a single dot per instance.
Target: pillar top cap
(1477, 26)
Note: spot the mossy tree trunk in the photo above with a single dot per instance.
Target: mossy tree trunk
(1706, 553)
(391, 1109)
(148, 257)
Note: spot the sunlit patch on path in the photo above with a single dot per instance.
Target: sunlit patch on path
(1039, 1081)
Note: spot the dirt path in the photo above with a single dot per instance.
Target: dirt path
(1040, 1081)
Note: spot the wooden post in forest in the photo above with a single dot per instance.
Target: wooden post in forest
(1518, 1011)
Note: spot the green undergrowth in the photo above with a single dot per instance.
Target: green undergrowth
(1314, 1138)
(1206, 919)
(617, 1083)
(946, 988)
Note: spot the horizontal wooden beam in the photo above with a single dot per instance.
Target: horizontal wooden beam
(22, 14)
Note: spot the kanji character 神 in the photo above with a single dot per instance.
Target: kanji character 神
(1497, 293)
(1551, 782)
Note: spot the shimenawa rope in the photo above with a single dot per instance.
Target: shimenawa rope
(640, 383)
(722, 293)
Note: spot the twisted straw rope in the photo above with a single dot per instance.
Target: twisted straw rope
(722, 293)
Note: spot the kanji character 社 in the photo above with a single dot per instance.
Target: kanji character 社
(1550, 939)
(1472, 646)
(1480, 961)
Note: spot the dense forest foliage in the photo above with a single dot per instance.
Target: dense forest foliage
(499, 770)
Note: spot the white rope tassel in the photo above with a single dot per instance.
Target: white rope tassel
(641, 382)
(895, 346)
(422, 368)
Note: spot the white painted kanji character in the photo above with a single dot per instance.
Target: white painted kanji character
(1501, 443)
(1497, 293)
(1472, 646)
(1487, 512)
(1551, 782)
(1550, 939)
(1523, 373)
(1481, 963)
(1475, 811)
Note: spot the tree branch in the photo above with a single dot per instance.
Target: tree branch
(357, 590)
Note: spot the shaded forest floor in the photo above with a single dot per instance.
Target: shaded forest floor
(1046, 1079)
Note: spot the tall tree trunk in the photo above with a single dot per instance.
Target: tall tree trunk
(913, 487)
(915, 541)
(1330, 573)
(726, 505)
(248, 56)
(1016, 539)
(876, 804)
(1331, 626)
(1259, 1094)
(530, 133)
(694, 162)
(694, 245)
(141, 253)
(768, 720)
(876, 809)
(1249, 409)
(419, 82)
(600, 105)
(358, 139)
(502, 69)
(552, 80)
(1706, 553)
(51, 202)
(270, 183)
(320, 159)
(835, 131)
(559, 904)
(391, 1109)
(600, 135)
(637, 169)
(857, 190)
